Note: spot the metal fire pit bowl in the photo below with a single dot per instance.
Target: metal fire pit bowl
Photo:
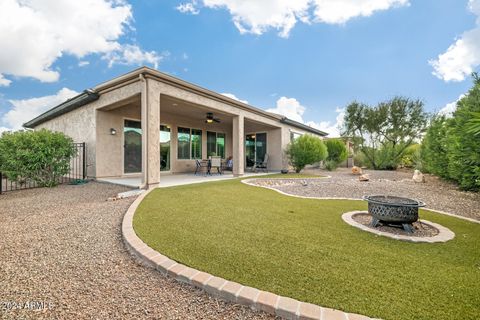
(392, 210)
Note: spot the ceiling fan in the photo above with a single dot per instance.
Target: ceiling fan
(210, 118)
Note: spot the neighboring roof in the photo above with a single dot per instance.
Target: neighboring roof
(302, 126)
(90, 95)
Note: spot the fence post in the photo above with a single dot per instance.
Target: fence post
(1, 182)
(84, 160)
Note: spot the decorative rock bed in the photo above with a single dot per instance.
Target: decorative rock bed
(424, 231)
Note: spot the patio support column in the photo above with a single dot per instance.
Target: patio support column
(150, 106)
(238, 145)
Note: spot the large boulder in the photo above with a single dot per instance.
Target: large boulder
(356, 170)
(418, 176)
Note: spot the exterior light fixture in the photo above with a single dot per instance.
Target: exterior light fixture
(113, 131)
(209, 120)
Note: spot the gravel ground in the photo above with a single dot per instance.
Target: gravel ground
(62, 247)
(436, 193)
(420, 229)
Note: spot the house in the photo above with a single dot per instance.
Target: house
(147, 123)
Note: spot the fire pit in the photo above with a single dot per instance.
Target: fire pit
(393, 211)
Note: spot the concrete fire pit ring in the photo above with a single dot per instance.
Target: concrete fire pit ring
(444, 234)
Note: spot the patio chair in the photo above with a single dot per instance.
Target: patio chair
(261, 165)
(199, 165)
(216, 162)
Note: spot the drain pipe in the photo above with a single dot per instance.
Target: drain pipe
(144, 126)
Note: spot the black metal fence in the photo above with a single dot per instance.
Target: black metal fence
(78, 171)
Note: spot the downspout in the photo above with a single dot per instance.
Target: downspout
(144, 121)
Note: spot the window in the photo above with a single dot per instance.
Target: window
(294, 135)
(196, 144)
(132, 146)
(183, 143)
(215, 144)
(189, 143)
(221, 145)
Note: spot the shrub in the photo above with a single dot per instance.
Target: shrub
(305, 150)
(434, 149)
(337, 152)
(331, 165)
(410, 158)
(42, 156)
(451, 148)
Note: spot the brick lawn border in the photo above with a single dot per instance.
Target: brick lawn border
(444, 234)
(221, 288)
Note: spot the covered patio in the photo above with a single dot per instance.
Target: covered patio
(129, 150)
(170, 180)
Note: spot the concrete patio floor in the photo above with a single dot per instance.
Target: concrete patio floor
(170, 180)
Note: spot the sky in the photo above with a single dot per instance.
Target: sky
(305, 59)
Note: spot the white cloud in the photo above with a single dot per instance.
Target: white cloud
(35, 33)
(133, 55)
(4, 82)
(4, 129)
(463, 56)
(292, 109)
(232, 96)
(189, 7)
(450, 108)
(333, 129)
(27, 109)
(83, 63)
(340, 11)
(253, 16)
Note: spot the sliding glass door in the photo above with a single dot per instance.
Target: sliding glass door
(255, 148)
(132, 146)
(165, 138)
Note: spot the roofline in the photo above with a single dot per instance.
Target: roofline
(79, 100)
(91, 95)
(303, 126)
(177, 82)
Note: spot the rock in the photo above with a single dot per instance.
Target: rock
(356, 170)
(364, 177)
(418, 176)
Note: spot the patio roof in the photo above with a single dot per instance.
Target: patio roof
(93, 94)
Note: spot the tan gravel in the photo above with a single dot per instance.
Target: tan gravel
(436, 193)
(62, 254)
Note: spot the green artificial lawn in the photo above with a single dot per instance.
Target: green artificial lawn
(301, 248)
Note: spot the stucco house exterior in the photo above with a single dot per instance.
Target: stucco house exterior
(147, 123)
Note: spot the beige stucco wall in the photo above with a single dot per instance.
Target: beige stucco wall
(92, 123)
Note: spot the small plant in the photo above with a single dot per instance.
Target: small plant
(337, 152)
(305, 150)
(331, 165)
(42, 156)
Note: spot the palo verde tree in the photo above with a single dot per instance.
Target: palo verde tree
(384, 132)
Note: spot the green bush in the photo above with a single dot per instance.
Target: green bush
(305, 150)
(42, 156)
(331, 165)
(360, 160)
(337, 151)
(451, 148)
(411, 157)
(434, 149)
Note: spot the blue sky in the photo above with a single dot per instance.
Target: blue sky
(367, 50)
